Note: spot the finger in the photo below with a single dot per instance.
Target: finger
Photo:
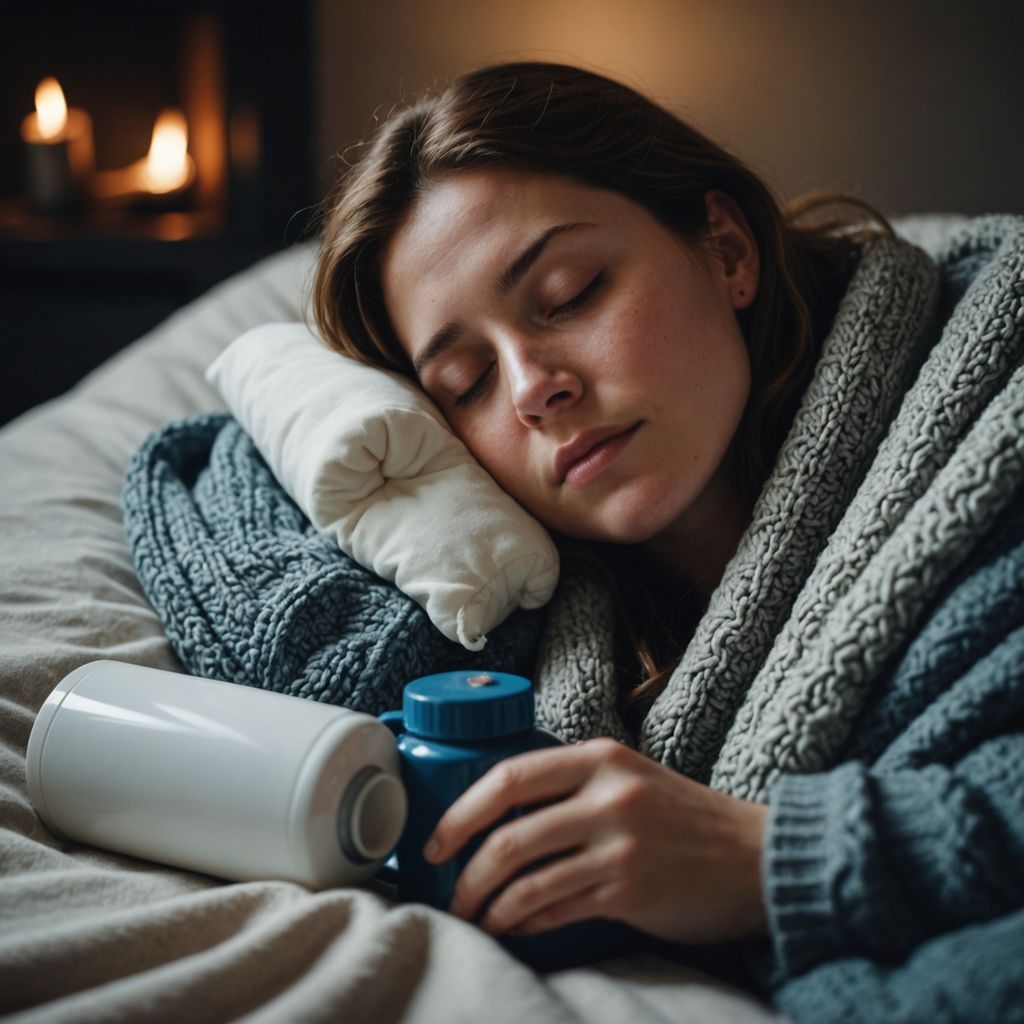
(527, 842)
(580, 906)
(532, 777)
(571, 883)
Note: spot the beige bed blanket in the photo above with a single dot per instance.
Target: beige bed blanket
(92, 936)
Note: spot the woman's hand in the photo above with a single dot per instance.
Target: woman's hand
(627, 839)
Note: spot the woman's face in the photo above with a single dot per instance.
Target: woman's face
(592, 364)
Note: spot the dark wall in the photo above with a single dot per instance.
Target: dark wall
(919, 103)
(74, 290)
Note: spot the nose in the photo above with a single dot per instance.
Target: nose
(542, 384)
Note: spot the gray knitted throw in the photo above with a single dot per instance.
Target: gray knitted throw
(908, 444)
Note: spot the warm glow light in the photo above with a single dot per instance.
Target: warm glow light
(51, 108)
(167, 164)
(165, 170)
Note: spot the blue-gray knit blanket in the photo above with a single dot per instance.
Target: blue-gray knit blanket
(249, 592)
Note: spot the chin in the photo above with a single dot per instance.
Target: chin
(633, 521)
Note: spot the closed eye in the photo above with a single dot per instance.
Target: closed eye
(476, 388)
(580, 300)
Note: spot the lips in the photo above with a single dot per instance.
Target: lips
(583, 444)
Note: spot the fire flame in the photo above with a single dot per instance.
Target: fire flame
(167, 163)
(51, 108)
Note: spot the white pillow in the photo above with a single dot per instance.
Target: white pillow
(371, 461)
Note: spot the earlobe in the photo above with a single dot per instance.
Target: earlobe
(736, 247)
(745, 292)
(743, 298)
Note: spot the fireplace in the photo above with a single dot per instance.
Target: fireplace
(199, 123)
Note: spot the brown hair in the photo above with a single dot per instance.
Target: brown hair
(571, 122)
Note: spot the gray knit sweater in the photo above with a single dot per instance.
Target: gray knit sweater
(859, 667)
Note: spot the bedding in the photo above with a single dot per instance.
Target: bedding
(380, 473)
(87, 935)
(91, 935)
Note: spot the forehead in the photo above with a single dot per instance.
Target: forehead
(472, 223)
(478, 204)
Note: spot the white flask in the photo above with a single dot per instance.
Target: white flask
(228, 780)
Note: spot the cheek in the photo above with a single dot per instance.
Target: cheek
(645, 350)
(689, 346)
(493, 443)
(651, 329)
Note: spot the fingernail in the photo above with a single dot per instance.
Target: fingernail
(431, 850)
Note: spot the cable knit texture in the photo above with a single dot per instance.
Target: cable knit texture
(250, 592)
(894, 880)
(858, 668)
(905, 448)
(861, 663)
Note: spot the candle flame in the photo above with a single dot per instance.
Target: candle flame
(51, 107)
(167, 163)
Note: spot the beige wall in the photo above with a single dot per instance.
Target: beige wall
(919, 104)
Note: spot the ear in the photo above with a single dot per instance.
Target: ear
(734, 243)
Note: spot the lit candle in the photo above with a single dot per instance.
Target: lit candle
(58, 151)
(164, 173)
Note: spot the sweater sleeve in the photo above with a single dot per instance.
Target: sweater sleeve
(866, 863)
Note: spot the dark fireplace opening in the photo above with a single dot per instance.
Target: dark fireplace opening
(200, 125)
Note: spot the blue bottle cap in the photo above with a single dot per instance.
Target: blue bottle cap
(468, 705)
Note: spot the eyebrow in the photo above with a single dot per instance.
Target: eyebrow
(513, 273)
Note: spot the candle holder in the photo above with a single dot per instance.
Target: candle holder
(59, 153)
(128, 188)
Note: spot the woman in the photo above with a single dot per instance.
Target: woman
(619, 322)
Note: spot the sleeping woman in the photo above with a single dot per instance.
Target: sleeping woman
(782, 455)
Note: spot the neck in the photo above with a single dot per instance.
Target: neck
(699, 545)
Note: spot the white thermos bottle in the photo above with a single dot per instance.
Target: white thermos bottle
(229, 780)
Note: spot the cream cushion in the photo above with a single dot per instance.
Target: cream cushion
(373, 464)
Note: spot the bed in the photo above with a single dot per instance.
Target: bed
(91, 935)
